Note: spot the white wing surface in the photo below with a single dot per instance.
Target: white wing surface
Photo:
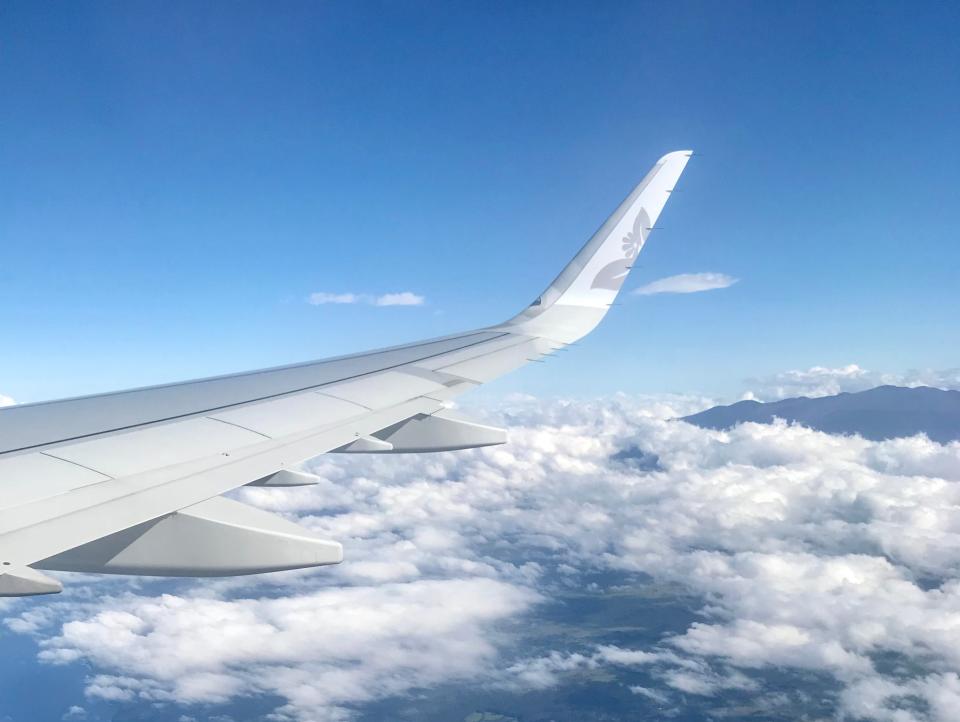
(130, 482)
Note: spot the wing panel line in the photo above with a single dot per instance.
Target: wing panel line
(75, 463)
(239, 426)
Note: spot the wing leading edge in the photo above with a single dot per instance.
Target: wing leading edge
(109, 483)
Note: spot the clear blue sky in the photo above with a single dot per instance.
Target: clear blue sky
(177, 178)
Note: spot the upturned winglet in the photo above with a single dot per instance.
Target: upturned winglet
(579, 297)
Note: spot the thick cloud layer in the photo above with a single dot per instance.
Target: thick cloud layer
(318, 649)
(832, 555)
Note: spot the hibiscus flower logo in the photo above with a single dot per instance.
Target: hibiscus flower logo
(612, 275)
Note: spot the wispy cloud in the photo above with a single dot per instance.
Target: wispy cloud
(402, 298)
(6, 401)
(405, 298)
(321, 297)
(687, 283)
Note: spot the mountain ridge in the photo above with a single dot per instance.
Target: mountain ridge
(883, 412)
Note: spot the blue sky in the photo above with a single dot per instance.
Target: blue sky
(178, 179)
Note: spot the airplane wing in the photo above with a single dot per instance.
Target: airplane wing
(130, 482)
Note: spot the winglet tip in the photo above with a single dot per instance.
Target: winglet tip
(685, 154)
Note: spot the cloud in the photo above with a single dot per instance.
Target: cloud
(826, 381)
(6, 401)
(546, 671)
(323, 648)
(812, 382)
(320, 298)
(399, 299)
(943, 379)
(687, 283)
(403, 298)
(825, 555)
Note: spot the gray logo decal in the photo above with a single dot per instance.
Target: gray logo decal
(612, 275)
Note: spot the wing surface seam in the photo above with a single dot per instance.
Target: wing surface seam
(239, 426)
(340, 398)
(74, 463)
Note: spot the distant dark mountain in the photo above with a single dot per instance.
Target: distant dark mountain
(885, 412)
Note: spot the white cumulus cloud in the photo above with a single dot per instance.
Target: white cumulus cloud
(320, 649)
(812, 382)
(76, 712)
(827, 381)
(687, 283)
